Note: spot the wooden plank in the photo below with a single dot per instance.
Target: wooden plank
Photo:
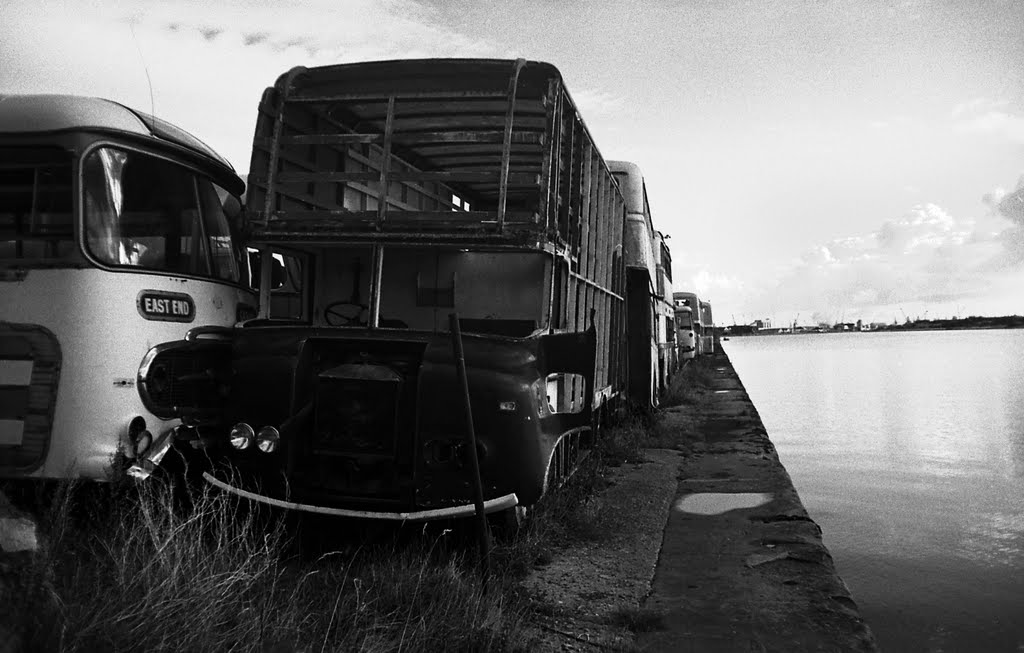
(297, 196)
(602, 221)
(382, 96)
(385, 165)
(506, 147)
(545, 170)
(521, 178)
(354, 154)
(418, 188)
(454, 122)
(413, 138)
(588, 215)
(455, 217)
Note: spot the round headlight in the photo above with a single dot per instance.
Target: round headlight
(268, 439)
(241, 436)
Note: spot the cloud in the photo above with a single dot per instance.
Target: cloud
(254, 38)
(991, 117)
(324, 29)
(1009, 205)
(210, 33)
(978, 106)
(209, 62)
(924, 258)
(596, 102)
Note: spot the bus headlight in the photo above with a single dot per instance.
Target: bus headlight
(242, 436)
(268, 439)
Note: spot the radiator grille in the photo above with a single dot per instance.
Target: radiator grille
(356, 415)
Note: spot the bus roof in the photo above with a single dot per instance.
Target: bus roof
(25, 114)
(452, 95)
(633, 189)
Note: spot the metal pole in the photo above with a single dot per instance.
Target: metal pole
(474, 462)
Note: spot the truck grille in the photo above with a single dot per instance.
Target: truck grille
(186, 378)
(356, 415)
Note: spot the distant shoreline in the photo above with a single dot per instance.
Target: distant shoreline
(967, 323)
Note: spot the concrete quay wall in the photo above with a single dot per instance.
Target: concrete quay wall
(742, 565)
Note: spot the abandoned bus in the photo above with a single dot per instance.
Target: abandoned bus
(114, 237)
(642, 326)
(668, 355)
(708, 327)
(691, 301)
(686, 339)
(392, 195)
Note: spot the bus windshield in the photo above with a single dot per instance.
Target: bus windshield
(145, 212)
(497, 293)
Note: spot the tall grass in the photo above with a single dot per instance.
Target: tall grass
(153, 567)
(151, 575)
(690, 384)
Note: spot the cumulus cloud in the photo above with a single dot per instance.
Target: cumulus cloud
(1008, 204)
(922, 258)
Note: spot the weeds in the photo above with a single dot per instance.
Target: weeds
(149, 576)
(133, 567)
(691, 382)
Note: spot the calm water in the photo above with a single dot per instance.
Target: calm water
(908, 450)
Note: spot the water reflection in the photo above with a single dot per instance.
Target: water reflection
(716, 503)
(908, 449)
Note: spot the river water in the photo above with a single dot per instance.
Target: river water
(908, 450)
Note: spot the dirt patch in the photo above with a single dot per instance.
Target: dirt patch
(589, 596)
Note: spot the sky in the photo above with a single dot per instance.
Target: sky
(810, 161)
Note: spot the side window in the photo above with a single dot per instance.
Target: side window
(565, 392)
(36, 216)
(223, 255)
(287, 283)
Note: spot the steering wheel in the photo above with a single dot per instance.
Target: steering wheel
(346, 313)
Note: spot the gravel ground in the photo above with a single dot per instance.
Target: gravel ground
(590, 583)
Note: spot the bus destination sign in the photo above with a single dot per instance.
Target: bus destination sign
(166, 306)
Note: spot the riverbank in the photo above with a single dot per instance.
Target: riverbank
(708, 545)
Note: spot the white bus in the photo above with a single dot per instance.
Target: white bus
(686, 339)
(116, 233)
(695, 328)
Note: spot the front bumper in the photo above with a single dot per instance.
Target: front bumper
(467, 510)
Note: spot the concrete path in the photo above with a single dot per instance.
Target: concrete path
(742, 566)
